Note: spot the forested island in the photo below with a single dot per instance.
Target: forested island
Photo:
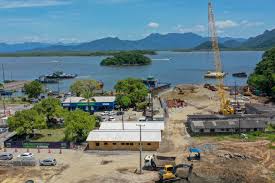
(72, 53)
(126, 59)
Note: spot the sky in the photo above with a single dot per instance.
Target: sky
(73, 21)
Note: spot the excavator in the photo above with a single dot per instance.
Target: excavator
(169, 173)
(225, 107)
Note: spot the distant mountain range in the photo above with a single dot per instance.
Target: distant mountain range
(170, 41)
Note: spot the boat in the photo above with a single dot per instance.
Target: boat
(240, 75)
(213, 74)
(60, 75)
(161, 59)
(44, 79)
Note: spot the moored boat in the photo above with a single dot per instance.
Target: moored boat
(240, 74)
(213, 74)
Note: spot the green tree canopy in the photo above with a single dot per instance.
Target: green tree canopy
(132, 88)
(84, 88)
(50, 107)
(24, 122)
(33, 89)
(78, 125)
(126, 58)
(263, 78)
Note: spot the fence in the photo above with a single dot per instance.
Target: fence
(19, 162)
(41, 145)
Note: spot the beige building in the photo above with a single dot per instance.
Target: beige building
(124, 140)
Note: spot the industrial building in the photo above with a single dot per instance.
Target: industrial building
(126, 136)
(207, 124)
(99, 103)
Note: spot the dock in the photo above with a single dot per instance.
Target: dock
(16, 85)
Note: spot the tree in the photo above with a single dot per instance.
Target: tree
(78, 125)
(123, 101)
(132, 88)
(24, 122)
(126, 58)
(85, 88)
(263, 78)
(33, 89)
(51, 108)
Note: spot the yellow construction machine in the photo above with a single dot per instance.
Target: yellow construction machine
(225, 107)
(169, 173)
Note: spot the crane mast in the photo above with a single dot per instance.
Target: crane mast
(225, 107)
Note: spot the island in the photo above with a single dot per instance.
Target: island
(129, 58)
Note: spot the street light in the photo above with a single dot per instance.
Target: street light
(140, 147)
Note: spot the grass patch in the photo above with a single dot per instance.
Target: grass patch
(49, 135)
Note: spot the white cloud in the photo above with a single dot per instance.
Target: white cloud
(7, 4)
(195, 29)
(251, 24)
(153, 25)
(225, 24)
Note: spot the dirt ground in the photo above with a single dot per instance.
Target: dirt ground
(222, 161)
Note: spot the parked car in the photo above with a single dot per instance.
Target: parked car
(111, 113)
(3, 130)
(111, 118)
(6, 156)
(119, 113)
(25, 155)
(105, 113)
(48, 162)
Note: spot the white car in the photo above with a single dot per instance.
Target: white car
(105, 113)
(25, 155)
(111, 118)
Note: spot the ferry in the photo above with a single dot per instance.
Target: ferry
(60, 75)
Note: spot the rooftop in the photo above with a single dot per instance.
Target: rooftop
(156, 125)
(229, 124)
(97, 99)
(124, 135)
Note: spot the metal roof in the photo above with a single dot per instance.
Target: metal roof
(97, 99)
(105, 99)
(156, 125)
(124, 135)
(229, 124)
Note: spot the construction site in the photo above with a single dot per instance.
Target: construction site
(205, 138)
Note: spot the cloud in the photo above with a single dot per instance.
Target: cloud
(8, 4)
(153, 25)
(251, 24)
(195, 29)
(225, 24)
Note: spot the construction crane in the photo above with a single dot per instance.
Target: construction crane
(225, 107)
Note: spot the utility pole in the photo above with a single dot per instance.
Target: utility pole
(239, 126)
(122, 119)
(140, 147)
(4, 105)
(152, 104)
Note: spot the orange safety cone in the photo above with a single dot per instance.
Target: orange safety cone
(60, 152)
(49, 151)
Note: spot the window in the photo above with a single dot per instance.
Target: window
(222, 129)
(227, 129)
(122, 144)
(148, 144)
(105, 143)
(114, 144)
(131, 144)
(255, 129)
(127, 144)
(201, 130)
(212, 130)
(97, 144)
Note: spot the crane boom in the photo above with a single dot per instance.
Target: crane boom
(225, 107)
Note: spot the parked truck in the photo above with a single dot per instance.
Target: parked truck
(155, 162)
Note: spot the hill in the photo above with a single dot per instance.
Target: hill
(265, 40)
(208, 46)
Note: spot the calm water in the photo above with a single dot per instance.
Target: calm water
(182, 68)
